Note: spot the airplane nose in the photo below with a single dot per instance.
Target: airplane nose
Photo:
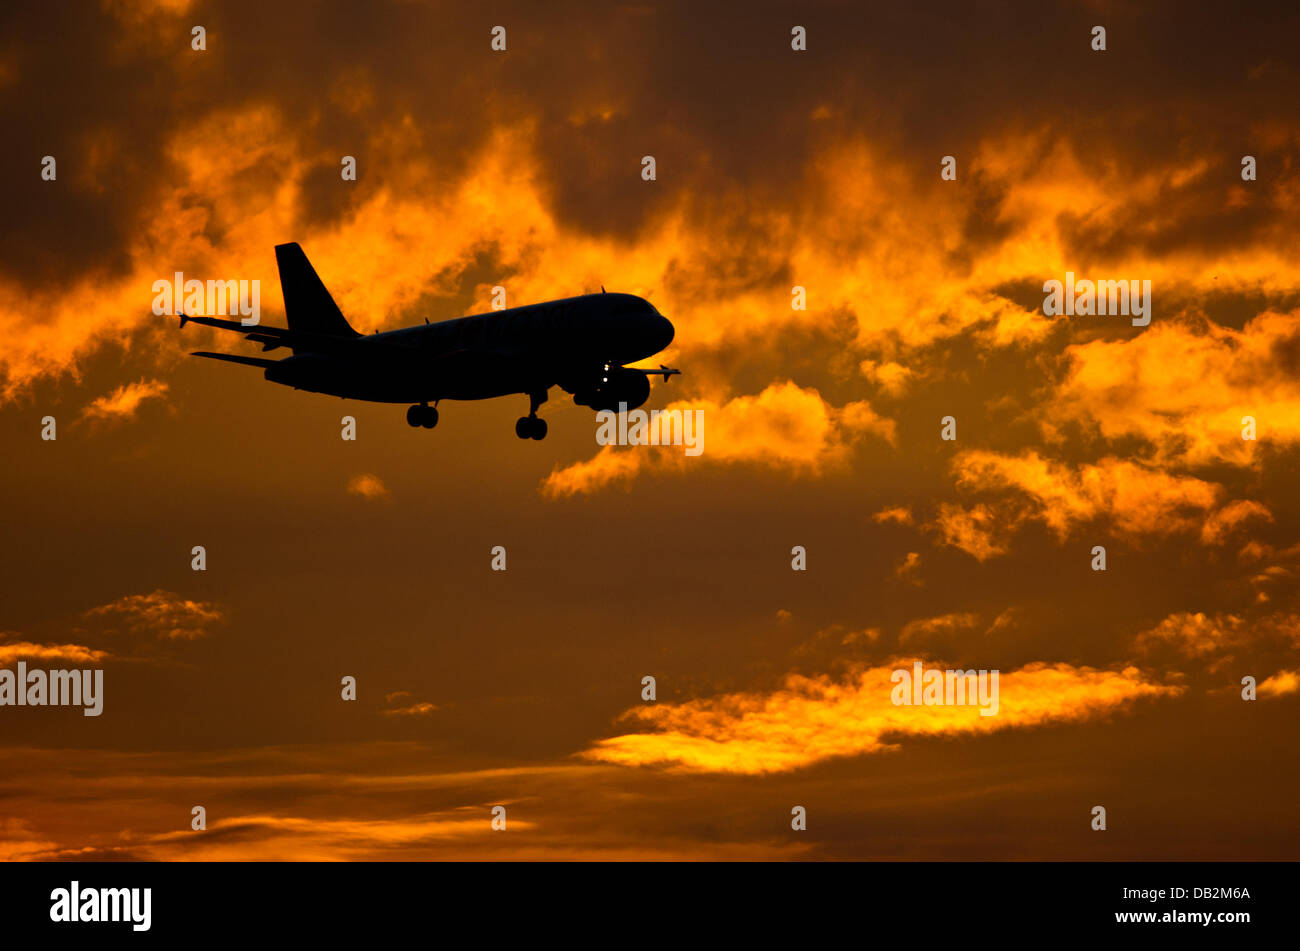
(663, 331)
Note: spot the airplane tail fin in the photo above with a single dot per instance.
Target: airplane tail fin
(307, 304)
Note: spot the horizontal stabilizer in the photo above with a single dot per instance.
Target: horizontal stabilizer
(662, 370)
(236, 358)
(297, 339)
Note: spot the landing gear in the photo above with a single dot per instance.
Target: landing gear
(422, 414)
(532, 426)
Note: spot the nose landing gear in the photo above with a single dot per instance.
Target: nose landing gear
(422, 414)
(532, 426)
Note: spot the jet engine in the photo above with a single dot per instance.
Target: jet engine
(618, 385)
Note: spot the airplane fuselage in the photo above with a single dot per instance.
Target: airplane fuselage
(518, 350)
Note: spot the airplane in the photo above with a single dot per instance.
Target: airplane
(578, 343)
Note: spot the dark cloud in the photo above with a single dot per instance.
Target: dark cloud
(717, 97)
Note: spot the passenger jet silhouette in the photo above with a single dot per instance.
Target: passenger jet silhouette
(579, 344)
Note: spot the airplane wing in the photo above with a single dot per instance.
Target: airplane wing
(273, 337)
(235, 358)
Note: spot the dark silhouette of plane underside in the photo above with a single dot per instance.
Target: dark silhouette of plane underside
(579, 344)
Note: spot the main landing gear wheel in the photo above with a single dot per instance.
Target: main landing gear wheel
(422, 414)
(530, 427)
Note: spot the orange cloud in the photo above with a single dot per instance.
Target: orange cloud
(1223, 522)
(901, 514)
(1186, 391)
(422, 708)
(1139, 500)
(269, 837)
(140, 12)
(892, 377)
(1280, 684)
(1204, 635)
(125, 400)
(925, 628)
(19, 842)
(29, 651)
(907, 569)
(162, 613)
(368, 486)
(695, 257)
(785, 426)
(971, 529)
(810, 719)
(1194, 634)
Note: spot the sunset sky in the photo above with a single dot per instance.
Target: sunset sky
(775, 168)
